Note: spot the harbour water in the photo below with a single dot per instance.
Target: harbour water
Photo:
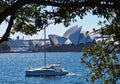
(13, 66)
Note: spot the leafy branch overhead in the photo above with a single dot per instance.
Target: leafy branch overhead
(37, 13)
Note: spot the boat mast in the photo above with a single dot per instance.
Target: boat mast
(45, 57)
(45, 47)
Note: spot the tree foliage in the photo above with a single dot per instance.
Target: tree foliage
(112, 29)
(103, 59)
(29, 16)
(103, 62)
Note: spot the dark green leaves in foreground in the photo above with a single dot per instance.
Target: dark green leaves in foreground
(102, 61)
(26, 20)
(26, 28)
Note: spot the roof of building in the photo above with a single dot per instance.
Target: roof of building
(74, 35)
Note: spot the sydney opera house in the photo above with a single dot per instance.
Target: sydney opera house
(74, 39)
(74, 36)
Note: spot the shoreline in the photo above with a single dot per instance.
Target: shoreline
(60, 48)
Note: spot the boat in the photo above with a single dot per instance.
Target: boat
(51, 70)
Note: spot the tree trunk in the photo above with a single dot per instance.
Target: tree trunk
(7, 33)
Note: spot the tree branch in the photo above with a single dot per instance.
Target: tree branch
(20, 3)
(11, 10)
(99, 3)
(6, 35)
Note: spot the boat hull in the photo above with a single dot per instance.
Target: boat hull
(45, 72)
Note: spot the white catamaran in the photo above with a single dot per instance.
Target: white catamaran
(51, 70)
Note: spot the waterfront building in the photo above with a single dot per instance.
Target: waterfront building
(18, 45)
(74, 36)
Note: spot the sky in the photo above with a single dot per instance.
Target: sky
(88, 23)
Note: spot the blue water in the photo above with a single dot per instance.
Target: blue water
(13, 66)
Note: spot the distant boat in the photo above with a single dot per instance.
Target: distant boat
(52, 70)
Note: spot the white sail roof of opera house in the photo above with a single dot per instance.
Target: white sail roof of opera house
(57, 40)
(74, 35)
(85, 38)
(82, 38)
(71, 30)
